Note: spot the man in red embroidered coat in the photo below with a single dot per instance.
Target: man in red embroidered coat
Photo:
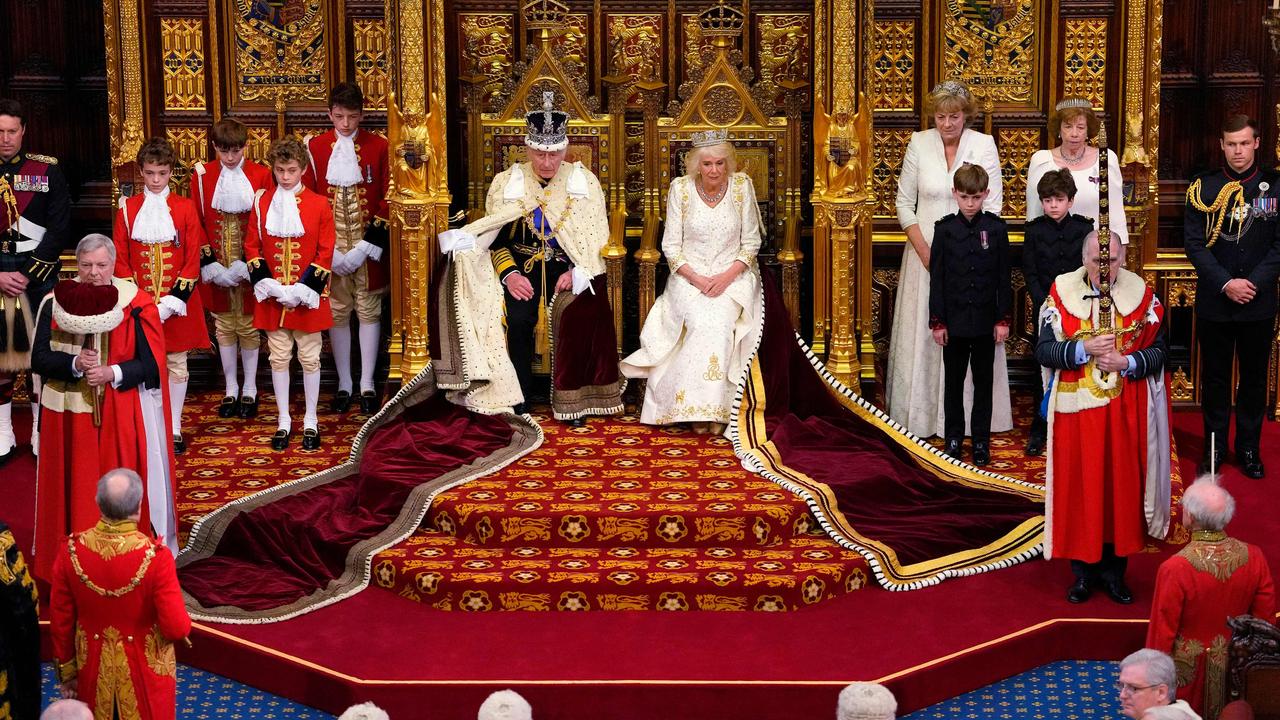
(1108, 485)
(99, 346)
(1213, 578)
(158, 237)
(224, 190)
(289, 247)
(349, 167)
(115, 611)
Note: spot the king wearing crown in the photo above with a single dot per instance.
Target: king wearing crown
(532, 264)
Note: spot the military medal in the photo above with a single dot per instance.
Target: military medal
(983, 236)
(31, 183)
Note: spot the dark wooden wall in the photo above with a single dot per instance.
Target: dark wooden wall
(52, 61)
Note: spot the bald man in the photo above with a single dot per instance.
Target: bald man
(1213, 578)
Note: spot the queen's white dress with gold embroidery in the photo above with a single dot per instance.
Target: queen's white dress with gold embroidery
(694, 348)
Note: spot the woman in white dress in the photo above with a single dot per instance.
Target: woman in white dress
(698, 337)
(1072, 124)
(914, 391)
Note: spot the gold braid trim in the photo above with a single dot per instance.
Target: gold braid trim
(114, 696)
(1218, 211)
(118, 592)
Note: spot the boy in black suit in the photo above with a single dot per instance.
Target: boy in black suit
(1052, 246)
(969, 302)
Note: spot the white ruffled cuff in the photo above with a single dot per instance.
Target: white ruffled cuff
(305, 295)
(211, 272)
(173, 305)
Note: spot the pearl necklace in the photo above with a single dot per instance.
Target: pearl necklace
(1062, 150)
(711, 201)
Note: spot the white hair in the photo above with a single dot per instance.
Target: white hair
(866, 701)
(67, 710)
(505, 705)
(94, 241)
(364, 711)
(1159, 669)
(1118, 249)
(1209, 504)
(724, 150)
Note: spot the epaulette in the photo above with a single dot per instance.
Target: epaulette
(46, 159)
(1038, 220)
(1082, 218)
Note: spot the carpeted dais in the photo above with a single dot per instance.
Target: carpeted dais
(1066, 690)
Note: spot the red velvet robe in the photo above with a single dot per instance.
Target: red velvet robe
(204, 180)
(120, 649)
(1211, 579)
(167, 268)
(371, 153)
(286, 259)
(74, 453)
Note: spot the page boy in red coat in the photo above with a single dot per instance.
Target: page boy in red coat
(158, 237)
(224, 190)
(289, 248)
(349, 169)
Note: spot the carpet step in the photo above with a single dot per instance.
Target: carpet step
(448, 573)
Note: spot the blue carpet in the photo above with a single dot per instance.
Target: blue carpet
(205, 696)
(1064, 690)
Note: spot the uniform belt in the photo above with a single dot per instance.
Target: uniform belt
(16, 247)
(555, 254)
(33, 231)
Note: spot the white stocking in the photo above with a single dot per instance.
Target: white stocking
(280, 385)
(177, 398)
(368, 353)
(249, 359)
(311, 387)
(7, 439)
(340, 339)
(228, 355)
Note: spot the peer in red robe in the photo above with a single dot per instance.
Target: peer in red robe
(1108, 473)
(1213, 578)
(87, 430)
(115, 611)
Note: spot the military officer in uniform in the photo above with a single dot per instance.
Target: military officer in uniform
(35, 211)
(1232, 237)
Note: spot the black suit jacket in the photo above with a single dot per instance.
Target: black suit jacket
(969, 286)
(1049, 249)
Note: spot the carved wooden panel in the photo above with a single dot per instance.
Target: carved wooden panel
(281, 49)
(887, 151)
(372, 66)
(486, 42)
(1016, 146)
(1084, 61)
(893, 65)
(635, 43)
(783, 48)
(182, 59)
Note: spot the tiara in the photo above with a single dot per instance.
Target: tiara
(1073, 102)
(709, 137)
(952, 87)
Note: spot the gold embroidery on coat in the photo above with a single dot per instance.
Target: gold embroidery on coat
(82, 647)
(713, 369)
(1185, 654)
(1215, 676)
(159, 654)
(110, 541)
(114, 691)
(1220, 558)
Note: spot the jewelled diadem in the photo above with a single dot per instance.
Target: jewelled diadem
(709, 137)
(1073, 102)
(952, 87)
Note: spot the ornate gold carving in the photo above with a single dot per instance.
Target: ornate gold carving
(191, 145)
(1017, 145)
(369, 55)
(1085, 59)
(840, 164)
(259, 143)
(488, 50)
(1181, 293)
(887, 150)
(114, 691)
(635, 48)
(1181, 388)
(571, 44)
(893, 65)
(782, 48)
(695, 45)
(132, 133)
(281, 50)
(991, 45)
(182, 63)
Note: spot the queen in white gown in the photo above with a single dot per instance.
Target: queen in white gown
(702, 330)
(914, 391)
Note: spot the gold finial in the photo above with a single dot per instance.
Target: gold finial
(545, 16)
(722, 23)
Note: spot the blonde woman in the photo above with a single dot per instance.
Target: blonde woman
(702, 330)
(914, 388)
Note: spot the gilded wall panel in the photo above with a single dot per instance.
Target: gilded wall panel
(191, 145)
(635, 167)
(893, 65)
(258, 145)
(1084, 61)
(990, 44)
(692, 45)
(182, 59)
(1016, 148)
(487, 42)
(887, 150)
(280, 49)
(574, 44)
(784, 48)
(635, 48)
(369, 55)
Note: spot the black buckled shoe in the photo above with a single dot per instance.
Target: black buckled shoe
(248, 408)
(1118, 591)
(955, 448)
(280, 440)
(341, 402)
(228, 407)
(1035, 446)
(179, 444)
(1079, 591)
(981, 452)
(310, 439)
(368, 402)
(1251, 463)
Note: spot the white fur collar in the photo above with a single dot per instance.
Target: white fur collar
(1127, 290)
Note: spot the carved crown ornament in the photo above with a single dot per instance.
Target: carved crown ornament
(543, 70)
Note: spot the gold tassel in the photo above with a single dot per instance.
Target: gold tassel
(542, 338)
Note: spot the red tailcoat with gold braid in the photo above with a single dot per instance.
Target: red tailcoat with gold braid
(1106, 481)
(1213, 578)
(224, 233)
(366, 202)
(170, 268)
(115, 611)
(74, 452)
(307, 259)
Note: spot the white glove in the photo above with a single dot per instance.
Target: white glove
(238, 272)
(170, 306)
(581, 281)
(268, 287)
(456, 241)
(288, 297)
(304, 295)
(339, 265)
(371, 251)
(354, 258)
(211, 272)
(225, 279)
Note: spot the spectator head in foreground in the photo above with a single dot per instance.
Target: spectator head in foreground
(866, 701)
(1147, 679)
(67, 710)
(505, 705)
(364, 711)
